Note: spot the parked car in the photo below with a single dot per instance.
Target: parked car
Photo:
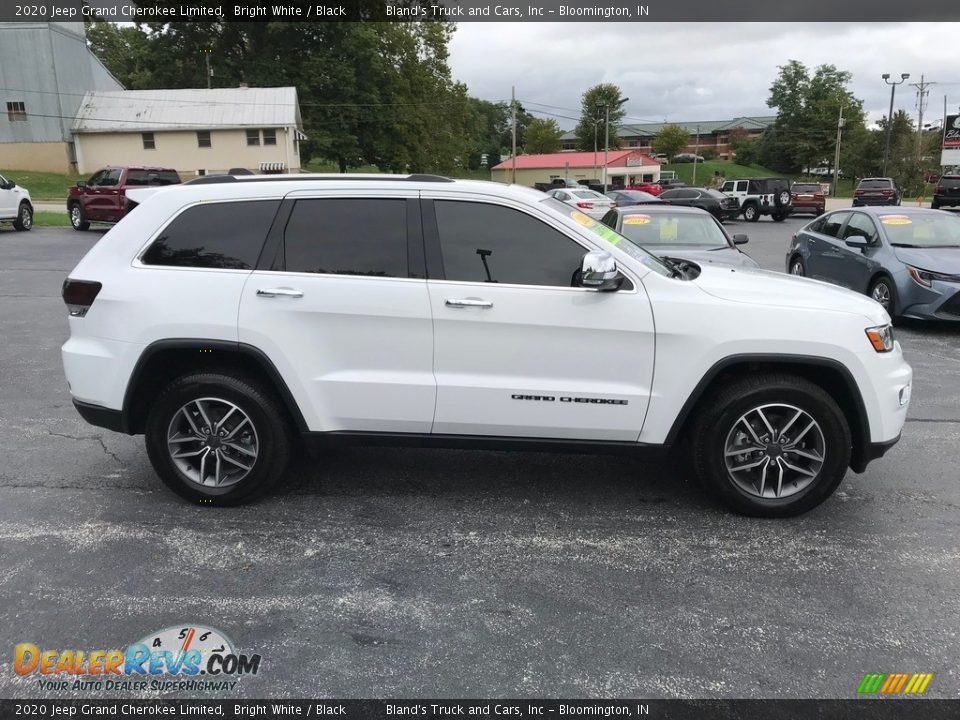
(679, 232)
(226, 319)
(876, 191)
(722, 207)
(688, 158)
(808, 197)
(651, 188)
(622, 198)
(907, 259)
(671, 183)
(103, 198)
(15, 205)
(947, 192)
(662, 157)
(761, 196)
(555, 183)
(591, 203)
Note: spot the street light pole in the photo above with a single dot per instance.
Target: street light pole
(836, 155)
(606, 142)
(893, 88)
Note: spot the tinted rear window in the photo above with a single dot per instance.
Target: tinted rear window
(152, 177)
(808, 188)
(950, 182)
(348, 236)
(874, 185)
(215, 235)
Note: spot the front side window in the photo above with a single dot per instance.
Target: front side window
(860, 226)
(347, 236)
(214, 235)
(110, 178)
(149, 142)
(492, 243)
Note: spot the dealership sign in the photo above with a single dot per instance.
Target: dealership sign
(951, 141)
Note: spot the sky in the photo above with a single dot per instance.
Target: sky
(699, 71)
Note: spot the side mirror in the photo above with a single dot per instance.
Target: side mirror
(740, 239)
(81, 184)
(598, 271)
(856, 241)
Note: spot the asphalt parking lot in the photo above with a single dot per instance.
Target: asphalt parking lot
(398, 573)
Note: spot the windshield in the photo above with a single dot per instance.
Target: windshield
(932, 230)
(610, 235)
(589, 195)
(688, 229)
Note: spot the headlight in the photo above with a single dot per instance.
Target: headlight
(925, 277)
(881, 337)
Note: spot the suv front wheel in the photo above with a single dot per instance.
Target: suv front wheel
(217, 438)
(771, 445)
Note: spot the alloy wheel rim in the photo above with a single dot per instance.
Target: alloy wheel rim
(881, 293)
(25, 219)
(774, 451)
(75, 215)
(213, 442)
(796, 268)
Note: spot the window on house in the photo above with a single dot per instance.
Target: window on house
(253, 137)
(149, 143)
(16, 111)
(203, 138)
(270, 137)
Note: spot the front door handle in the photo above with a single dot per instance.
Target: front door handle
(280, 292)
(468, 302)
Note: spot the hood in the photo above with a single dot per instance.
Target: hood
(726, 256)
(764, 287)
(940, 260)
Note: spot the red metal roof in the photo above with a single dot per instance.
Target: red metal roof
(575, 160)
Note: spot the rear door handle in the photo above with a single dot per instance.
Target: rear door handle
(279, 292)
(468, 302)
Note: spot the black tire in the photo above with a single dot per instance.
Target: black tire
(778, 217)
(934, 205)
(877, 292)
(751, 213)
(24, 219)
(721, 418)
(77, 219)
(271, 436)
(797, 267)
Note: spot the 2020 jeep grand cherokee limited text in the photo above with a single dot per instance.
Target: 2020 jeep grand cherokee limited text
(225, 317)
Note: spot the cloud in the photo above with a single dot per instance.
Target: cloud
(697, 71)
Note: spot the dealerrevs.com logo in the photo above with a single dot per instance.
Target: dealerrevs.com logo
(898, 683)
(183, 657)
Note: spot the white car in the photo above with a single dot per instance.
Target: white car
(225, 317)
(15, 205)
(588, 201)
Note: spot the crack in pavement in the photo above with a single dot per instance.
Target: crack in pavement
(931, 420)
(97, 438)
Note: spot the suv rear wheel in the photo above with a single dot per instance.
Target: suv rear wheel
(24, 219)
(772, 445)
(217, 438)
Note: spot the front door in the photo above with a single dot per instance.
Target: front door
(520, 349)
(8, 206)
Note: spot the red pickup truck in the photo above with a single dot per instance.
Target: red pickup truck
(103, 198)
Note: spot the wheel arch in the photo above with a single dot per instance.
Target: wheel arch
(164, 360)
(829, 374)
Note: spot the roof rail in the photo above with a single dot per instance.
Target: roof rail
(219, 179)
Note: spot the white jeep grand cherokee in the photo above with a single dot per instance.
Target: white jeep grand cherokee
(226, 316)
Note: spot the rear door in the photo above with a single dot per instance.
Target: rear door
(339, 304)
(520, 350)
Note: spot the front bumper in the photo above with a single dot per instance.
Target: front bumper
(872, 451)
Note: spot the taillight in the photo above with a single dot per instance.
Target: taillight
(887, 192)
(79, 295)
(585, 205)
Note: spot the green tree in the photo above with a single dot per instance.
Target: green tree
(671, 140)
(542, 136)
(593, 115)
(808, 109)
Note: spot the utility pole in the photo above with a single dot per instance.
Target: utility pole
(206, 56)
(513, 153)
(893, 88)
(922, 94)
(606, 142)
(696, 152)
(836, 155)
